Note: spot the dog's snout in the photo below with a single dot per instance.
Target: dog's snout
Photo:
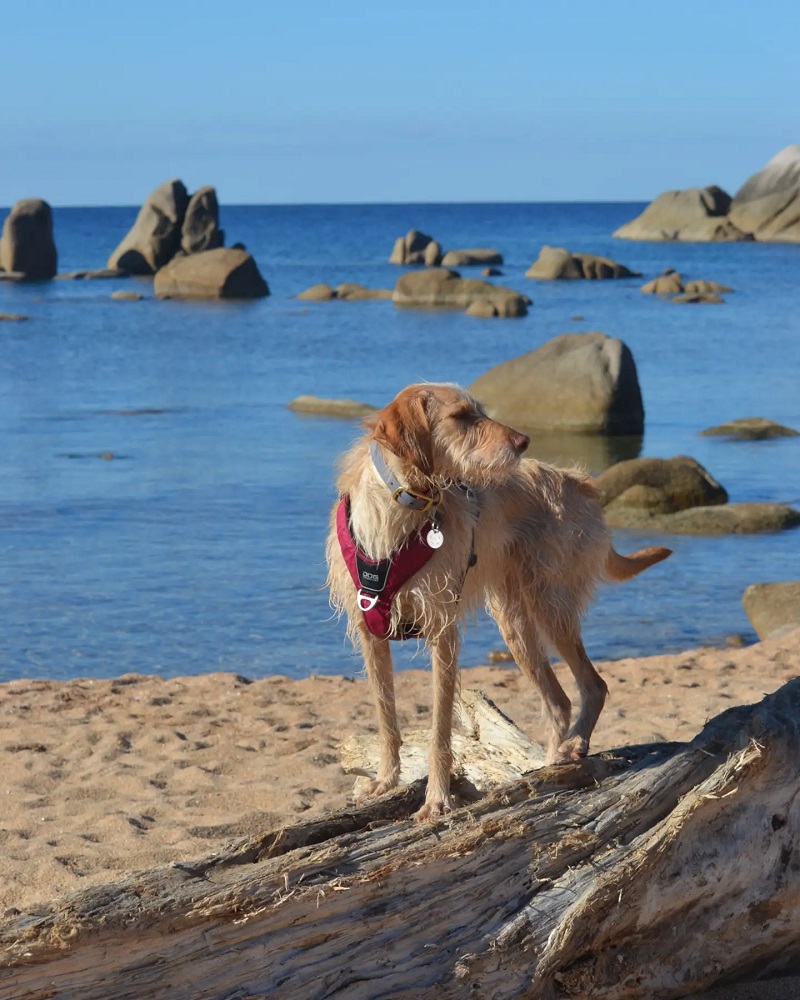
(520, 441)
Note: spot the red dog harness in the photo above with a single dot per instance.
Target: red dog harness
(377, 582)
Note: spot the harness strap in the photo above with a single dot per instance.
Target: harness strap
(378, 581)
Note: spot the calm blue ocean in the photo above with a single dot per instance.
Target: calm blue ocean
(199, 547)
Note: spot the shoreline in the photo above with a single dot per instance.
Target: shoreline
(105, 777)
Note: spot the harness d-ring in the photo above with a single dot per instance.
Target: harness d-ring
(367, 602)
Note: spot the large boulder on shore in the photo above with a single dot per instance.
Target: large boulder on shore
(577, 382)
(694, 215)
(200, 229)
(27, 247)
(223, 273)
(772, 606)
(659, 485)
(441, 288)
(155, 236)
(768, 203)
(556, 263)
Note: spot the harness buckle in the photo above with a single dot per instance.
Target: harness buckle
(427, 502)
(366, 602)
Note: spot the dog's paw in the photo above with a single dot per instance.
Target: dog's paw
(432, 811)
(573, 748)
(374, 789)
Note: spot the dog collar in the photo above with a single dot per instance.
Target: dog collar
(402, 494)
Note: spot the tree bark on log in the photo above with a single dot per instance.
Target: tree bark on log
(646, 872)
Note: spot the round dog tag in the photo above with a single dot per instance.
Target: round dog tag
(434, 538)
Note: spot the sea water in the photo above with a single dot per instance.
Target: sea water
(197, 543)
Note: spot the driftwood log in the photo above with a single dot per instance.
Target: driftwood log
(647, 872)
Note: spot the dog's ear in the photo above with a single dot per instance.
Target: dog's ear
(404, 428)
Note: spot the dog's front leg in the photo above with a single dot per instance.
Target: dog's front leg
(378, 660)
(444, 662)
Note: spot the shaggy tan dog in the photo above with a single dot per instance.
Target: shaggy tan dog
(434, 475)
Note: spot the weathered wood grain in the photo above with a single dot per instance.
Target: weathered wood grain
(643, 873)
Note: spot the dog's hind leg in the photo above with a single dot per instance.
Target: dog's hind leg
(378, 660)
(521, 635)
(444, 663)
(593, 692)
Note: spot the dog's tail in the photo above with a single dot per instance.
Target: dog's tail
(621, 567)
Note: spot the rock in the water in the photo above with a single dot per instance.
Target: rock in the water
(659, 485)
(440, 288)
(475, 257)
(200, 230)
(331, 407)
(727, 519)
(491, 272)
(351, 291)
(701, 287)
(668, 283)
(99, 274)
(702, 298)
(223, 273)
(124, 296)
(556, 263)
(156, 234)
(416, 248)
(578, 382)
(750, 429)
(695, 215)
(768, 203)
(772, 606)
(12, 317)
(318, 293)
(27, 247)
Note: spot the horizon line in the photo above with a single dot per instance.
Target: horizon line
(367, 204)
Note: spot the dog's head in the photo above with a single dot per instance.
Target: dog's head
(443, 434)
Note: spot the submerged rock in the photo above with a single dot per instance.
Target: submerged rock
(750, 429)
(727, 519)
(331, 407)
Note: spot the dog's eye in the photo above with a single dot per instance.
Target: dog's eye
(466, 416)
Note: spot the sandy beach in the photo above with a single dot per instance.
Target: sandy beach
(104, 777)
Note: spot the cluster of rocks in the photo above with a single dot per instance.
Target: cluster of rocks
(558, 264)
(177, 238)
(434, 288)
(418, 248)
(678, 495)
(348, 291)
(766, 207)
(27, 247)
(670, 285)
(442, 288)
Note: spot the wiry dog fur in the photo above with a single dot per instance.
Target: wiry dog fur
(541, 545)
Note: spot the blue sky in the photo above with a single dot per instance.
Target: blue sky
(393, 102)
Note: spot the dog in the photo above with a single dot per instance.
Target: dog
(438, 514)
